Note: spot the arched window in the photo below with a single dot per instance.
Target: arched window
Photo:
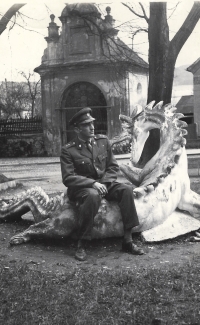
(84, 94)
(139, 88)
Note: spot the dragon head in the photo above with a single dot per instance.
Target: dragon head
(135, 128)
(138, 126)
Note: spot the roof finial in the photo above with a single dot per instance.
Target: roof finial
(52, 18)
(108, 18)
(53, 30)
(108, 9)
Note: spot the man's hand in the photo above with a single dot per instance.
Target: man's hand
(101, 188)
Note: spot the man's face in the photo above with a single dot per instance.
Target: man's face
(86, 131)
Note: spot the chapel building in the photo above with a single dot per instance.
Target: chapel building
(87, 65)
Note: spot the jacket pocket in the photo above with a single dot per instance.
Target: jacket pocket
(102, 156)
(82, 165)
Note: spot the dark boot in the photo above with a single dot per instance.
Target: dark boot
(131, 248)
(80, 254)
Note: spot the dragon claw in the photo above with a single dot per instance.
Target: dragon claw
(19, 239)
(197, 233)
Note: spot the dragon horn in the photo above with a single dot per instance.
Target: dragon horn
(150, 105)
(158, 105)
(168, 107)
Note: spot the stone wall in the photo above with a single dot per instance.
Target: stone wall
(30, 145)
(138, 88)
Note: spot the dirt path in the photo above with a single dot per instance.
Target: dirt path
(59, 255)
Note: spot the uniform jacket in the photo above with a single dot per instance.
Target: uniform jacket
(80, 168)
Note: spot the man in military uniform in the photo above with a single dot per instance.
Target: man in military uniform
(89, 170)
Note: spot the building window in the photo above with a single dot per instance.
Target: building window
(139, 88)
(84, 94)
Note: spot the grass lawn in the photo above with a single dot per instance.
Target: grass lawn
(83, 296)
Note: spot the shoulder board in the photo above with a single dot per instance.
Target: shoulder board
(70, 144)
(100, 136)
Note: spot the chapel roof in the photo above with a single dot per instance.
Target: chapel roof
(81, 8)
(118, 49)
(194, 66)
(127, 54)
(115, 50)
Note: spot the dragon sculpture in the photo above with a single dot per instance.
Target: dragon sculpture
(165, 204)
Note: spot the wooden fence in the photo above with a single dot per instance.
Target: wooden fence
(20, 126)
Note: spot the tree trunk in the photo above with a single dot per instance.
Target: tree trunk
(32, 108)
(176, 45)
(158, 34)
(162, 60)
(8, 15)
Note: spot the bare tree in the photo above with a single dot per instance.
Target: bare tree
(8, 15)
(34, 90)
(163, 52)
(14, 99)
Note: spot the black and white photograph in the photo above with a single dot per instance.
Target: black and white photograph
(100, 162)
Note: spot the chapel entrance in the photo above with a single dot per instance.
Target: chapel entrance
(79, 95)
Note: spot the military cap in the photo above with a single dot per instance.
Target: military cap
(81, 117)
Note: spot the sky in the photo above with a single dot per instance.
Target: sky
(22, 44)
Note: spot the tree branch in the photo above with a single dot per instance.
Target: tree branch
(8, 15)
(140, 30)
(134, 12)
(186, 29)
(174, 10)
(144, 12)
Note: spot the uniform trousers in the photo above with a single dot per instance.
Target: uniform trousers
(89, 201)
